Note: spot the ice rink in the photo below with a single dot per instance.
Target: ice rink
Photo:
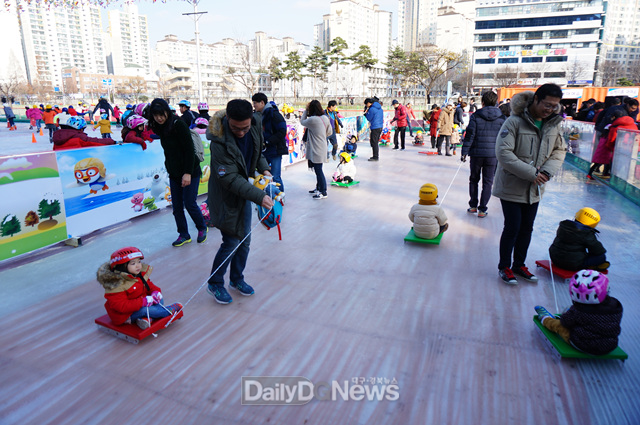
(342, 296)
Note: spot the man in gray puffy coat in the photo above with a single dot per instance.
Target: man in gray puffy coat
(530, 150)
(480, 144)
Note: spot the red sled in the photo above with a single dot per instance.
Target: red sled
(565, 274)
(428, 153)
(133, 333)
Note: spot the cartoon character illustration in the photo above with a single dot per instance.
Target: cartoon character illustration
(167, 194)
(91, 171)
(136, 200)
(204, 209)
(206, 174)
(149, 203)
(157, 187)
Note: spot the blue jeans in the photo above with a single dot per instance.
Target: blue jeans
(321, 182)
(333, 139)
(239, 258)
(486, 167)
(155, 312)
(516, 235)
(185, 197)
(275, 162)
(39, 124)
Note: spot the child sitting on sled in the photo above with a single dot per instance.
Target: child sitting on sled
(351, 144)
(576, 245)
(419, 139)
(428, 218)
(346, 170)
(131, 296)
(592, 323)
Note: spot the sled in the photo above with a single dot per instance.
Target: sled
(556, 345)
(411, 237)
(130, 332)
(565, 274)
(342, 184)
(428, 153)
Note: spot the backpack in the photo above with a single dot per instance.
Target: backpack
(198, 147)
(271, 219)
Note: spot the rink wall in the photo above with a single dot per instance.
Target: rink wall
(50, 197)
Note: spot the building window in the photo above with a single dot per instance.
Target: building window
(485, 76)
(531, 75)
(531, 59)
(535, 35)
(559, 34)
(485, 61)
(511, 36)
(486, 37)
(556, 58)
(536, 22)
(508, 60)
(554, 74)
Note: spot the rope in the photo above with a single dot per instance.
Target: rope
(454, 177)
(553, 282)
(206, 281)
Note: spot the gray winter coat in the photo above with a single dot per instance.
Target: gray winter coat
(229, 186)
(319, 128)
(523, 151)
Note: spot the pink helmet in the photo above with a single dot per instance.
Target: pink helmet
(135, 120)
(202, 121)
(139, 109)
(589, 287)
(202, 106)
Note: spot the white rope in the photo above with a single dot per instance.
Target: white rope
(218, 268)
(454, 177)
(553, 282)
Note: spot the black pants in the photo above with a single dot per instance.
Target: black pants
(486, 167)
(433, 142)
(447, 146)
(402, 131)
(374, 138)
(516, 234)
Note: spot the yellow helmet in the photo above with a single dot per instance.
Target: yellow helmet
(35, 106)
(588, 217)
(428, 192)
(345, 156)
(47, 107)
(418, 132)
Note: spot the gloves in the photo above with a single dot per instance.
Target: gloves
(157, 296)
(147, 301)
(463, 158)
(144, 145)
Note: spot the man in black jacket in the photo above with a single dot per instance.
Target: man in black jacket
(480, 144)
(274, 129)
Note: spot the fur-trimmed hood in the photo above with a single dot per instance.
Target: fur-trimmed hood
(522, 100)
(113, 279)
(216, 129)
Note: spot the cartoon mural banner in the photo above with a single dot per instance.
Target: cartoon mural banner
(106, 185)
(33, 213)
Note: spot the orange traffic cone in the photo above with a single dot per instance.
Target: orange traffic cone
(33, 138)
(41, 132)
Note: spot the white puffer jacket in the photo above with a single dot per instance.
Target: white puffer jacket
(427, 220)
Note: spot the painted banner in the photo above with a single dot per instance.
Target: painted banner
(33, 212)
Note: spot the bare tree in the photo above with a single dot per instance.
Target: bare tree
(429, 64)
(247, 72)
(11, 82)
(506, 75)
(610, 71)
(577, 70)
(634, 72)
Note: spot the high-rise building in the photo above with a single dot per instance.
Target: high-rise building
(58, 38)
(455, 25)
(358, 22)
(620, 51)
(417, 22)
(129, 37)
(531, 42)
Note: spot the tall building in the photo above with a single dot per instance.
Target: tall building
(417, 22)
(358, 22)
(530, 42)
(620, 43)
(455, 25)
(129, 42)
(59, 38)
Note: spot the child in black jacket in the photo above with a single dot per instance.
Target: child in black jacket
(576, 245)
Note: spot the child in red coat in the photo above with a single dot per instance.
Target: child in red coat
(131, 296)
(134, 131)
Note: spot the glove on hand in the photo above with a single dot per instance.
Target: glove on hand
(463, 158)
(157, 296)
(147, 301)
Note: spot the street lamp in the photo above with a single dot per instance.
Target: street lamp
(196, 18)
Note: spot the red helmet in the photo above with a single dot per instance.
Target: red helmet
(124, 255)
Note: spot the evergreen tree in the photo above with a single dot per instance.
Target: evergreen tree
(9, 227)
(293, 67)
(364, 60)
(317, 64)
(337, 56)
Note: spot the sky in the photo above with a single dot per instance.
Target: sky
(277, 18)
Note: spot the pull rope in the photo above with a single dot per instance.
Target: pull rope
(553, 282)
(454, 177)
(206, 281)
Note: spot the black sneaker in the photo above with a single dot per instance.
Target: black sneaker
(219, 293)
(507, 275)
(202, 235)
(313, 192)
(243, 287)
(524, 273)
(370, 159)
(181, 241)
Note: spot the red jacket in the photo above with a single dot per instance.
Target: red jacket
(433, 123)
(72, 112)
(626, 123)
(124, 293)
(69, 138)
(400, 116)
(132, 137)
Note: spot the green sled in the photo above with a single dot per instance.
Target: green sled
(411, 237)
(341, 184)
